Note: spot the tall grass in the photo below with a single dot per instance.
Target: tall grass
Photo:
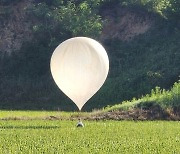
(167, 99)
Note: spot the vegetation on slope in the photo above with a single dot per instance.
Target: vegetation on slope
(160, 104)
(136, 66)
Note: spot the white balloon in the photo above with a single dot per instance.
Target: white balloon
(79, 67)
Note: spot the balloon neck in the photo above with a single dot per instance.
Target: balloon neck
(79, 109)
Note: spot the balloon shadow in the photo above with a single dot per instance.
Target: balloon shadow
(29, 127)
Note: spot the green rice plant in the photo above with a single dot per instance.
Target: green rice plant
(50, 137)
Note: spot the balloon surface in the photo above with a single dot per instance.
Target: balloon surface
(79, 67)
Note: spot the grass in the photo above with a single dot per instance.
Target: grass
(24, 115)
(166, 99)
(44, 136)
(31, 114)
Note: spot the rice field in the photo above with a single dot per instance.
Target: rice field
(63, 137)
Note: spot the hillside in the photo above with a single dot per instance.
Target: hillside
(142, 40)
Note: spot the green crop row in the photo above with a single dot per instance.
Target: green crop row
(57, 137)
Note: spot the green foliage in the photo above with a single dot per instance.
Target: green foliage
(163, 7)
(158, 6)
(166, 99)
(136, 66)
(49, 137)
(76, 19)
(27, 71)
(80, 20)
(9, 2)
(5, 12)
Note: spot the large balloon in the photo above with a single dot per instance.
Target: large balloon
(79, 67)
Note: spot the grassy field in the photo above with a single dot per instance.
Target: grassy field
(33, 114)
(55, 136)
